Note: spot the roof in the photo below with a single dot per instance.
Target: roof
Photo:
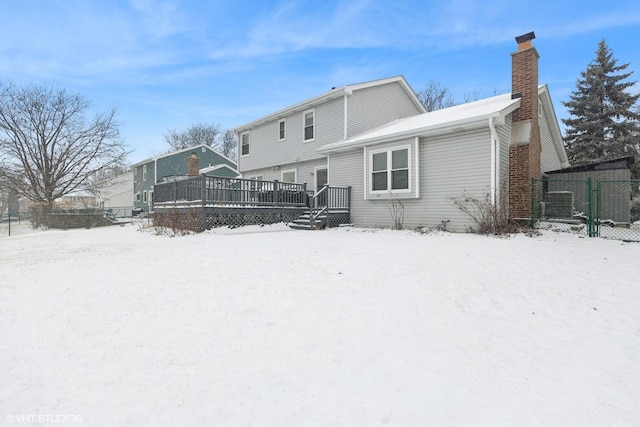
(620, 163)
(453, 119)
(216, 167)
(545, 98)
(334, 93)
(172, 153)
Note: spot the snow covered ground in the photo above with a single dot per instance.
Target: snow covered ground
(269, 326)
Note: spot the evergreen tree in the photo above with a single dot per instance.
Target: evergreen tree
(604, 122)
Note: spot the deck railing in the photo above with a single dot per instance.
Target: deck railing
(209, 190)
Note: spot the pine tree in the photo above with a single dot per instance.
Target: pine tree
(604, 121)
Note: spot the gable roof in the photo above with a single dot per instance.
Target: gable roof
(545, 97)
(217, 167)
(334, 93)
(452, 119)
(172, 153)
(619, 163)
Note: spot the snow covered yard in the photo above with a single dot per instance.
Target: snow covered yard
(268, 326)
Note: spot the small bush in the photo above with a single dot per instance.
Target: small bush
(490, 218)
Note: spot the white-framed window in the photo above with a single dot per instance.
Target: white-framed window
(282, 130)
(540, 111)
(144, 172)
(145, 198)
(309, 121)
(137, 196)
(390, 170)
(289, 175)
(244, 144)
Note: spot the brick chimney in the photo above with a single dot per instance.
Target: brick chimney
(193, 165)
(524, 146)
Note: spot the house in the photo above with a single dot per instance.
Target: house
(377, 139)
(174, 165)
(284, 145)
(116, 194)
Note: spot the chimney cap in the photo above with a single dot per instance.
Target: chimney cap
(525, 37)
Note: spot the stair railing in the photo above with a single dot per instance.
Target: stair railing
(317, 206)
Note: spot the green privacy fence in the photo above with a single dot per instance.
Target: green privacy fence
(598, 208)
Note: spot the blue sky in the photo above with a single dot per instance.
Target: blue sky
(169, 64)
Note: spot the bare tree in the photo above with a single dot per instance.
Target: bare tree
(48, 147)
(230, 145)
(435, 97)
(5, 193)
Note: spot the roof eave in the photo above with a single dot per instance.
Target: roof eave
(543, 92)
(332, 94)
(420, 132)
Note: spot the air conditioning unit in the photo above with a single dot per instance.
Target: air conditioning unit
(559, 204)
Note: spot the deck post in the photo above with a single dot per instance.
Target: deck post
(276, 192)
(175, 190)
(349, 203)
(203, 189)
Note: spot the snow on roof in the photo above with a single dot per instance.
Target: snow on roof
(216, 167)
(448, 119)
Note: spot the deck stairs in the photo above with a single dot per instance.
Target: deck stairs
(309, 221)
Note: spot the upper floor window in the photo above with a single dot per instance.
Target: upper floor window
(309, 125)
(244, 141)
(144, 172)
(390, 170)
(282, 130)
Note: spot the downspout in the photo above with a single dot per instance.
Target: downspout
(495, 162)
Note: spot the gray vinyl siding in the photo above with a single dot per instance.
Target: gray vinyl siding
(374, 106)
(266, 151)
(550, 159)
(450, 166)
(304, 172)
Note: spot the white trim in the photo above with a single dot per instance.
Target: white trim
(366, 171)
(295, 172)
(389, 170)
(144, 172)
(416, 144)
(304, 126)
(248, 133)
(284, 121)
(315, 175)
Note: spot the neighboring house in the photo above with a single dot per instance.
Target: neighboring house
(378, 140)
(284, 145)
(116, 194)
(75, 200)
(158, 169)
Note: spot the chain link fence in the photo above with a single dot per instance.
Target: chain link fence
(12, 223)
(596, 208)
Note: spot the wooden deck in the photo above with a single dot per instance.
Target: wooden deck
(204, 202)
